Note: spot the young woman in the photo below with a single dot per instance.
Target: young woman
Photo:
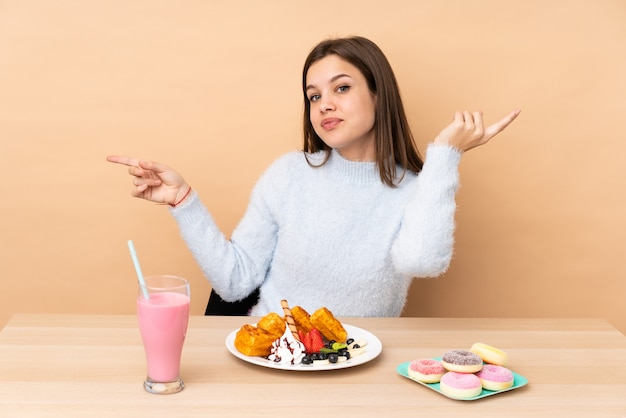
(351, 220)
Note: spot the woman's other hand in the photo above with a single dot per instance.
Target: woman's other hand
(467, 130)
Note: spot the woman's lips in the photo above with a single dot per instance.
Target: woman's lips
(330, 123)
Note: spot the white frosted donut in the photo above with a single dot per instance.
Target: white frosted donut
(462, 361)
(426, 370)
(460, 385)
(489, 354)
(494, 377)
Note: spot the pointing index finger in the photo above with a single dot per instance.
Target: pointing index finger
(120, 159)
(499, 126)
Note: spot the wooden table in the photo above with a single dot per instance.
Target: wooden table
(93, 366)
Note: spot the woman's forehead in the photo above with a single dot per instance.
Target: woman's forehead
(329, 69)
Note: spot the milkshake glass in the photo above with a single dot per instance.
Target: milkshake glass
(163, 318)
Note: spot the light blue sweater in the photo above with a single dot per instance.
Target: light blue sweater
(332, 236)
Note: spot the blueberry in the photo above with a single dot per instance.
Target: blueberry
(333, 358)
(307, 360)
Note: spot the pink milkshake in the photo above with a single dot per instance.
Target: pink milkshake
(163, 324)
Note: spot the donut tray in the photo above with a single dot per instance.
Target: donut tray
(518, 382)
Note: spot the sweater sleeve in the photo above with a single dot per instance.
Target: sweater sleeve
(235, 267)
(425, 241)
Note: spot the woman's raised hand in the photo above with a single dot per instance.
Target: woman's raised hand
(468, 131)
(154, 181)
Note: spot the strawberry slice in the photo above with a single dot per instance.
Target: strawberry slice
(317, 342)
(312, 340)
(307, 343)
(304, 341)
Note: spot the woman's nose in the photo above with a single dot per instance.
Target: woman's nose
(326, 105)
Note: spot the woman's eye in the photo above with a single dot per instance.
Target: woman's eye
(314, 98)
(343, 89)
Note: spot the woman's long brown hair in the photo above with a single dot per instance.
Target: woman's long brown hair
(395, 146)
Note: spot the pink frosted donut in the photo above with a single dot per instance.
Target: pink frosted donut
(462, 361)
(460, 385)
(495, 377)
(426, 370)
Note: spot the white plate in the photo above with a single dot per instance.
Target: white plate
(372, 350)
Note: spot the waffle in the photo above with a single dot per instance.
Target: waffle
(257, 340)
(328, 325)
(302, 319)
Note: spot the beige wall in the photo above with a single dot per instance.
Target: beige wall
(212, 88)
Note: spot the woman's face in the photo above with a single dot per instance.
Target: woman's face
(342, 108)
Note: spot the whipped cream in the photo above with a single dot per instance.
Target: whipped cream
(287, 350)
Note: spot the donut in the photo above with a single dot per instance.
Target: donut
(426, 370)
(460, 385)
(494, 377)
(489, 354)
(462, 361)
